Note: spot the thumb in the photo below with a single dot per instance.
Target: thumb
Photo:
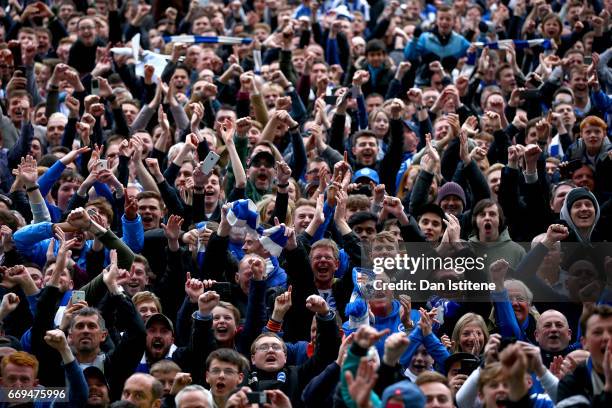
(188, 276)
(290, 288)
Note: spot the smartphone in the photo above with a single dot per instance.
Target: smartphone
(95, 87)
(468, 366)
(102, 164)
(588, 59)
(20, 72)
(209, 162)
(77, 296)
(330, 99)
(16, 51)
(223, 289)
(257, 398)
(531, 94)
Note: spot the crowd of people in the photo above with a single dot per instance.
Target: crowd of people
(193, 197)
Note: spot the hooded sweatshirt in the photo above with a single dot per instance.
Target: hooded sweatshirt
(573, 196)
(502, 248)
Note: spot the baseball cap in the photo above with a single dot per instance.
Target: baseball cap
(158, 317)
(411, 395)
(368, 173)
(262, 155)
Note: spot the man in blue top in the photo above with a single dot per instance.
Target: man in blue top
(441, 43)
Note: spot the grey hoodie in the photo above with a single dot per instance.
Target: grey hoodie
(566, 216)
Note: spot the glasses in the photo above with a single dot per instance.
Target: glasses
(85, 28)
(264, 163)
(323, 258)
(265, 347)
(226, 371)
(517, 298)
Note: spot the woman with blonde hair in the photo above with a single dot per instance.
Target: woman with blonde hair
(470, 334)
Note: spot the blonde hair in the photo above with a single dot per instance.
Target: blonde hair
(466, 319)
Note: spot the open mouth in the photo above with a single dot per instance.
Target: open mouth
(157, 345)
(419, 367)
(262, 177)
(488, 227)
(147, 218)
(271, 359)
(501, 401)
(554, 337)
(221, 330)
(220, 387)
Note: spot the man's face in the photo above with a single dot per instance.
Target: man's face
(86, 30)
(366, 231)
(452, 204)
(201, 25)
(269, 355)
(593, 138)
(493, 391)
(374, 102)
(17, 376)
(437, 395)
(382, 248)
(129, 111)
(376, 58)
(429, 97)
(318, 70)
(212, 189)
(55, 129)
(65, 192)
(40, 118)
(313, 170)
(36, 276)
(36, 149)
(421, 361)
(323, 264)
(578, 81)
(583, 177)
(366, 150)
(112, 152)
(494, 179)
(180, 79)
(86, 335)
(224, 325)
(507, 80)
(441, 129)
(270, 96)
(19, 109)
(252, 245)
(553, 332)
(261, 173)
(445, 22)
(598, 334)
(559, 198)
(223, 377)
(138, 279)
(65, 282)
(487, 222)
(583, 213)
(166, 379)
(65, 11)
(431, 226)
(146, 309)
(138, 390)
(568, 116)
(193, 56)
(150, 212)
(244, 275)
(302, 217)
(159, 340)
(98, 392)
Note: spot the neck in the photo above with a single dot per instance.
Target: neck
(210, 207)
(87, 357)
(581, 99)
(584, 232)
(220, 400)
(323, 285)
(593, 150)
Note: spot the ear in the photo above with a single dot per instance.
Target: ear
(583, 343)
(207, 378)
(104, 334)
(253, 359)
(241, 378)
(353, 150)
(236, 277)
(537, 335)
(71, 284)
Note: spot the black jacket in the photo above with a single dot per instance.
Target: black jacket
(575, 390)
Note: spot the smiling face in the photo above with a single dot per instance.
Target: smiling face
(224, 325)
(269, 354)
(159, 340)
(437, 395)
(519, 300)
(223, 378)
(583, 214)
(146, 309)
(420, 361)
(593, 138)
(98, 392)
(65, 281)
(381, 124)
(553, 332)
(324, 264)
(445, 22)
(584, 177)
(366, 150)
(19, 108)
(471, 333)
(494, 391)
(138, 279)
(302, 217)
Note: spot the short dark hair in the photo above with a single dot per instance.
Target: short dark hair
(88, 311)
(229, 356)
(362, 216)
(375, 45)
(360, 134)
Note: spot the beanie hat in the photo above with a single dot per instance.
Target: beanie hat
(410, 394)
(451, 188)
(579, 193)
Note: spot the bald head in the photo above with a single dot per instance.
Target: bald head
(552, 331)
